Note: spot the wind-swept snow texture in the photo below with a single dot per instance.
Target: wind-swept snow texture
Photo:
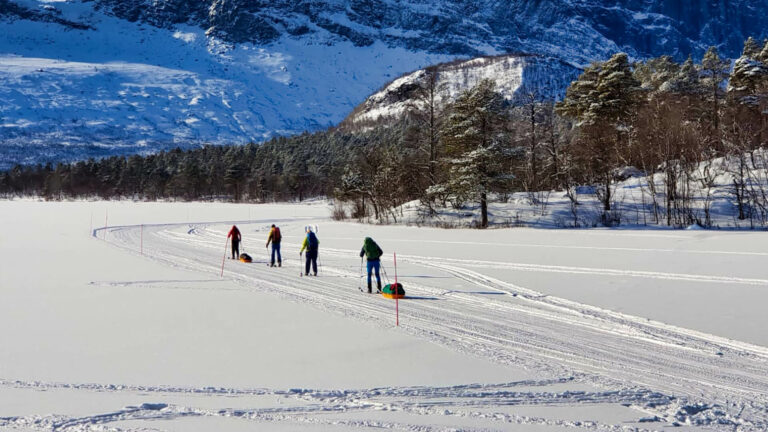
(560, 330)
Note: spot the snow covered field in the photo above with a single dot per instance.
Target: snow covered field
(507, 329)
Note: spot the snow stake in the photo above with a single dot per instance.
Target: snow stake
(397, 299)
(394, 291)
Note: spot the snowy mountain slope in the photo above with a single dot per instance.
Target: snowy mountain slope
(123, 87)
(514, 75)
(578, 31)
(92, 78)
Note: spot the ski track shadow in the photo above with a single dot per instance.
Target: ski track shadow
(477, 292)
(419, 298)
(150, 282)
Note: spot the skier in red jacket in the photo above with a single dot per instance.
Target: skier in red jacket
(235, 234)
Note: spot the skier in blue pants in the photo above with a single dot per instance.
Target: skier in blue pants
(373, 253)
(312, 245)
(275, 237)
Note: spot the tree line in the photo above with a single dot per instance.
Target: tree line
(683, 123)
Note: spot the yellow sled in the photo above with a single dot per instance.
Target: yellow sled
(393, 291)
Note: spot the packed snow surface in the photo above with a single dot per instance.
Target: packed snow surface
(132, 327)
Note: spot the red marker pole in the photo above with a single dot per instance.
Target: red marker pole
(397, 301)
(224, 257)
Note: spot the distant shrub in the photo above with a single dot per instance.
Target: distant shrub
(339, 213)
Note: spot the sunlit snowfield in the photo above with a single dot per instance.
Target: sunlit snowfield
(133, 328)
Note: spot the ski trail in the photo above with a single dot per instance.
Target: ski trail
(478, 401)
(572, 247)
(498, 265)
(713, 380)
(593, 271)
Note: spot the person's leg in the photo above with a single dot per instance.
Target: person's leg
(306, 266)
(376, 267)
(272, 260)
(369, 266)
(279, 258)
(314, 263)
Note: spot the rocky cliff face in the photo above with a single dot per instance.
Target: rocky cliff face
(517, 77)
(577, 31)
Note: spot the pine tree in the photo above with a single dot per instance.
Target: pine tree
(747, 76)
(714, 71)
(685, 82)
(751, 49)
(235, 174)
(580, 95)
(473, 135)
(602, 100)
(617, 90)
(763, 56)
(657, 73)
(747, 102)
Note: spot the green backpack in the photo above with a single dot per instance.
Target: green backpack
(372, 250)
(394, 289)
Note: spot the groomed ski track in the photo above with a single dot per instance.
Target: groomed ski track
(676, 375)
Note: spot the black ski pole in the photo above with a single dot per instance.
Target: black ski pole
(384, 271)
(360, 286)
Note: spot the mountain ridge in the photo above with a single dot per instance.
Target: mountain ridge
(642, 28)
(82, 78)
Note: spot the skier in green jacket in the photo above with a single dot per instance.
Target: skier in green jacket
(373, 253)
